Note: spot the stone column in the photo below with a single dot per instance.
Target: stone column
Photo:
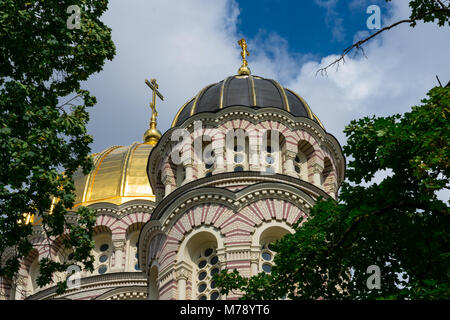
(189, 172)
(254, 262)
(317, 175)
(289, 167)
(219, 159)
(255, 157)
(167, 181)
(182, 275)
(119, 250)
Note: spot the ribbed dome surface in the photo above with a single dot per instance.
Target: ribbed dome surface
(250, 91)
(118, 176)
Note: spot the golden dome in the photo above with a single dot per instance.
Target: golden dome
(119, 175)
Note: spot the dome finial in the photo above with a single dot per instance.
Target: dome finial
(152, 135)
(244, 69)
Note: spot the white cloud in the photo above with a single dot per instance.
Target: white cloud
(332, 18)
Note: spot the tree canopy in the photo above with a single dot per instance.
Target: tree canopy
(44, 57)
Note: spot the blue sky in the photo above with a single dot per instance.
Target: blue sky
(318, 28)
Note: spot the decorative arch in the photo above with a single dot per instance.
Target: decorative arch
(200, 251)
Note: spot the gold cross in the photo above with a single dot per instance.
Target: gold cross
(244, 52)
(154, 86)
(244, 70)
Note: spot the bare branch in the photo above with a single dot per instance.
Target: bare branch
(358, 45)
(68, 102)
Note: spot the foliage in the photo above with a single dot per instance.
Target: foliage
(429, 11)
(398, 224)
(43, 141)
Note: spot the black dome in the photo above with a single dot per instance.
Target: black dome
(250, 91)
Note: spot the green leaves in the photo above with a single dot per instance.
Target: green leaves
(43, 142)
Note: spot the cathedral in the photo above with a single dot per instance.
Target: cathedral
(243, 161)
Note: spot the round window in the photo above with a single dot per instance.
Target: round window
(238, 148)
(267, 267)
(214, 271)
(103, 258)
(267, 256)
(238, 169)
(102, 269)
(202, 287)
(238, 158)
(270, 160)
(209, 174)
(297, 159)
(208, 165)
(214, 260)
(202, 275)
(203, 297)
(208, 252)
(104, 247)
(214, 295)
(297, 169)
(202, 264)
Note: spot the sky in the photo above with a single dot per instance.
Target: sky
(187, 45)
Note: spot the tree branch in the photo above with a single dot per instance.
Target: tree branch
(358, 44)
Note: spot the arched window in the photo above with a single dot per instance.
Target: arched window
(237, 150)
(201, 248)
(267, 238)
(102, 253)
(304, 155)
(208, 160)
(207, 265)
(301, 166)
(132, 250)
(273, 147)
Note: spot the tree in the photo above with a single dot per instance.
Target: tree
(398, 225)
(45, 54)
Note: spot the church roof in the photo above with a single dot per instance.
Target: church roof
(245, 90)
(117, 176)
